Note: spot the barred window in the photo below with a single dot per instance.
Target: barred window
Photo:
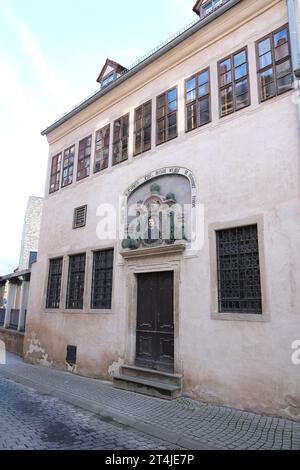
(79, 219)
(84, 158)
(166, 116)
(274, 64)
(102, 279)
(239, 270)
(102, 149)
(54, 283)
(197, 99)
(142, 128)
(75, 289)
(55, 173)
(120, 146)
(234, 86)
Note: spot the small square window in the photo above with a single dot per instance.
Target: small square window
(79, 217)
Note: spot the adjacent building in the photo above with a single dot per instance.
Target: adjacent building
(14, 287)
(169, 255)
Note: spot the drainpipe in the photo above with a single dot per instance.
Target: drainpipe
(294, 52)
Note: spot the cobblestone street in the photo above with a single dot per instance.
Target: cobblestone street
(44, 408)
(30, 420)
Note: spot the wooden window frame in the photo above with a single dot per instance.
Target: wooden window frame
(84, 159)
(167, 116)
(197, 100)
(59, 276)
(274, 62)
(63, 185)
(141, 130)
(55, 172)
(121, 139)
(107, 306)
(234, 82)
(102, 149)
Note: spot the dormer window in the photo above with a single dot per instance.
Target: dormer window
(205, 7)
(110, 72)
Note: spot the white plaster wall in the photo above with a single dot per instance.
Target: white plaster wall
(246, 165)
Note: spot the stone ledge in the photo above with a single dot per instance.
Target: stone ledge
(154, 251)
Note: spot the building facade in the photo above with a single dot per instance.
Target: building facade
(14, 287)
(203, 134)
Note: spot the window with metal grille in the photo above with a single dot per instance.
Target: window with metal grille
(239, 270)
(274, 64)
(79, 217)
(142, 128)
(234, 86)
(121, 133)
(166, 116)
(75, 289)
(102, 149)
(84, 158)
(197, 99)
(68, 166)
(55, 173)
(54, 283)
(102, 279)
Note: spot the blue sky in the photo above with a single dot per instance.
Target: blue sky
(50, 56)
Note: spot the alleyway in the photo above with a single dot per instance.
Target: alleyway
(48, 409)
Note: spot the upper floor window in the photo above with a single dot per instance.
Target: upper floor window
(142, 128)
(102, 149)
(234, 83)
(120, 145)
(55, 173)
(197, 99)
(84, 158)
(68, 166)
(166, 116)
(209, 5)
(274, 64)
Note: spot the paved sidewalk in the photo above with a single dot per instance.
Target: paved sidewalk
(182, 422)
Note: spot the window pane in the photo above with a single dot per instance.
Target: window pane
(203, 78)
(226, 101)
(203, 90)
(265, 60)
(264, 46)
(281, 37)
(204, 112)
(191, 117)
(283, 69)
(172, 95)
(241, 71)
(240, 58)
(191, 95)
(191, 84)
(284, 83)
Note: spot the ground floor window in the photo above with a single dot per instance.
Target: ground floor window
(239, 285)
(75, 289)
(54, 283)
(102, 279)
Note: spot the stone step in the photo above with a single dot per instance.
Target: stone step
(152, 375)
(146, 387)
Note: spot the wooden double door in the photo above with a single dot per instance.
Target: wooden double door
(155, 321)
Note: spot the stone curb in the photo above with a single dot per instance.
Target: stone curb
(106, 412)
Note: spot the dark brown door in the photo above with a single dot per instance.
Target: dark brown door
(155, 321)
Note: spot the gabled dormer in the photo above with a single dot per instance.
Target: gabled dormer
(205, 7)
(110, 72)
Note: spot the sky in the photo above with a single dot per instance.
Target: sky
(50, 56)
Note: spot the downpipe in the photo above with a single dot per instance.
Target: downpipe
(294, 53)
